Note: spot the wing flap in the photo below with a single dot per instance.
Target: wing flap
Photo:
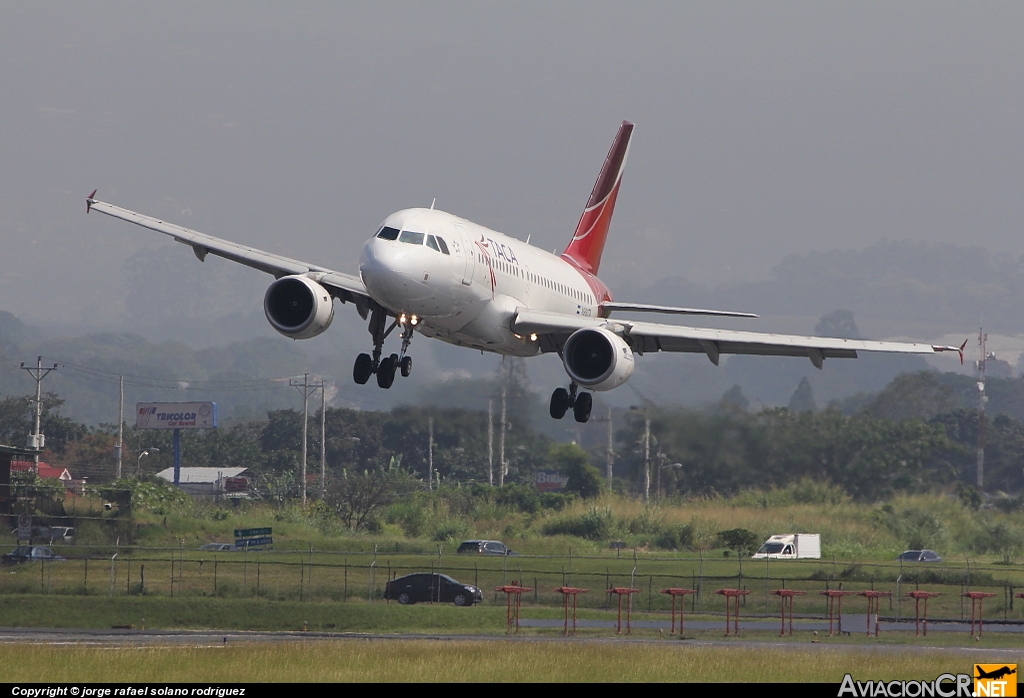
(670, 310)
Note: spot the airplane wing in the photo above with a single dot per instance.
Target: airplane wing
(670, 310)
(552, 330)
(344, 287)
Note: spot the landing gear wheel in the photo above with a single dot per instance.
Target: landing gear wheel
(581, 410)
(363, 368)
(386, 372)
(559, 403)
(406, 366)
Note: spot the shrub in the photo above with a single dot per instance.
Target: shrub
(739, 539)
(675, 537)
(593, 524)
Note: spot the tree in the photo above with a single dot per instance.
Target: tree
(912, 396)
(356, 497)
(838, 323)
(803, 398)
(741, 540)
(571, 460)
(734, 399)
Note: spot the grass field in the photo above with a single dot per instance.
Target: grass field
(449, 661)
(325, 576)
(229, 615)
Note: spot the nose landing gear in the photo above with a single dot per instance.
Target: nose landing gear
(386, 367)
(562, 400)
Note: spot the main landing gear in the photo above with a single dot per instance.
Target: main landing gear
(388, 366)
(581, 404)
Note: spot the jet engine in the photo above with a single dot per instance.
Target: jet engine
(597, 358)
(298, 307)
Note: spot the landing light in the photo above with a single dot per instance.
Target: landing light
(401, 319)
(533, 337)
(414, 320)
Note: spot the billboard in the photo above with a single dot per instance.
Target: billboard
(176, 415)
(550, 481)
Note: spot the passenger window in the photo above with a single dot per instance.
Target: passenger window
(411, 238)
(388, 233)
(444, 247)
(432, 244)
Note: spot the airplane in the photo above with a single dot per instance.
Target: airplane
(995, 673)
(431, 272)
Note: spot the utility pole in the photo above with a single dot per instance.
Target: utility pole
(982, 399)
(647, 455)
(609, 451)
(307, 389)
(323, 440)
(120, 424)
(430, 456)
(501, 443)
(490, 442)
(36, 440)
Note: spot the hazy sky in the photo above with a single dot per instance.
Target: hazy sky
(763, 129)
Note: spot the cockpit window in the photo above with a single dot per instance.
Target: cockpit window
(411, 238)
(444, 247)
(432, 243)
(388, 233)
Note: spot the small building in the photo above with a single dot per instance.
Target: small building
(46, 471)
(230, 483)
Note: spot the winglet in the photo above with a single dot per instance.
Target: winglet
(959, 350)
(89, 200)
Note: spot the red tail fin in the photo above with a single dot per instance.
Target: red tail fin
(588, 241)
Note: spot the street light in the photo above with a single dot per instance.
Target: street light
(138, 463)
(663, 466)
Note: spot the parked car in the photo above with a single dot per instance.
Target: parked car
(30, 553)
(483, 547)
(919, 556)
(219, 547)
(423, 586)
(62, 534)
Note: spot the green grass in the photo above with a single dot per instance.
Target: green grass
(450, 661)
(155, 613)
(282, 576)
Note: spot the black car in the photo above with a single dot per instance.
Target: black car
(483, 547)
(29, 553)
(423, 586)
(919, 556)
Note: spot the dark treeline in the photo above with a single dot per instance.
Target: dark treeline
(911, 437)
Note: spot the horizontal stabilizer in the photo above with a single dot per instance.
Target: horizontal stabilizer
(670, 310)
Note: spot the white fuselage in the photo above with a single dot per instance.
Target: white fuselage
(465, 285)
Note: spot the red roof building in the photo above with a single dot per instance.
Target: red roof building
(46, 471)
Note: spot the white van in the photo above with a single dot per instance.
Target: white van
(791, 546)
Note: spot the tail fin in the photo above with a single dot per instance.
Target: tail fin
(588, 241)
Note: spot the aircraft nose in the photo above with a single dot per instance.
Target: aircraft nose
(391, 273)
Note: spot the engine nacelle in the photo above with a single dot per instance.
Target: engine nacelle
(597, 358)
(298, 307)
